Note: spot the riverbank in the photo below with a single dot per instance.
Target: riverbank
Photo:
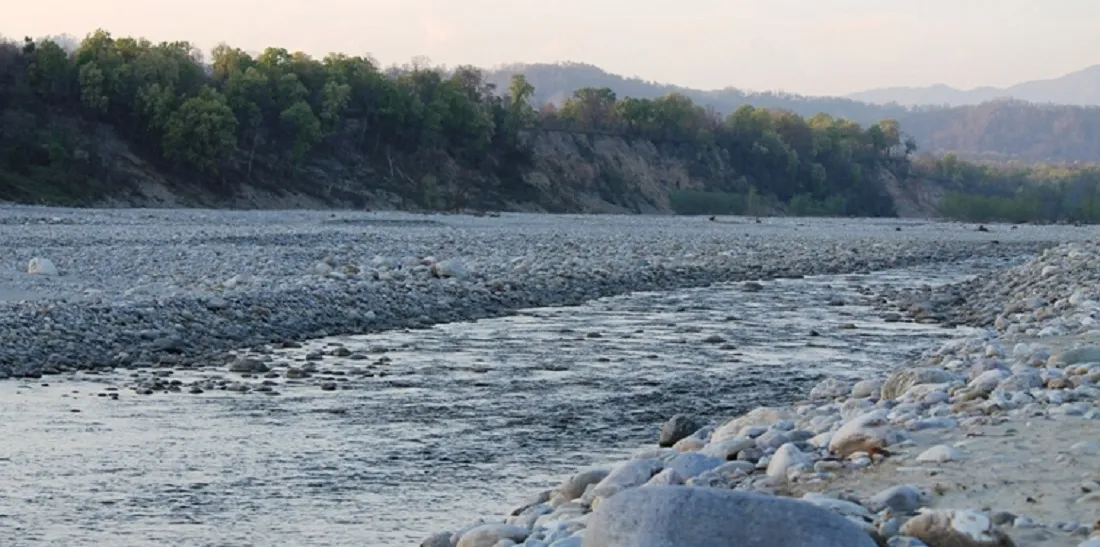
(984, 441)
(145, 288)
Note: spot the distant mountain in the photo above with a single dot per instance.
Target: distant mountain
(991, 129)
(1077, 88)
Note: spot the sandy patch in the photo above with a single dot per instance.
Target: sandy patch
(1030, 468)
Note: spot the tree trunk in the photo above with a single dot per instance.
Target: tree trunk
(252, 154)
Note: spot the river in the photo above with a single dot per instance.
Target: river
(427, 429)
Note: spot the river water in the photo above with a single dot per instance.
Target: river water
(426, 430)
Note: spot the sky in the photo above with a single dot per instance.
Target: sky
(816, 47)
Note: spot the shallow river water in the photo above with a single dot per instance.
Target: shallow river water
(426, 430)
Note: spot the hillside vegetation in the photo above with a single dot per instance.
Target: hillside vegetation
(996, 130)
(117, 113)
(1036, 193)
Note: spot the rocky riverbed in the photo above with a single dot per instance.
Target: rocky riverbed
(139, 288)
(987, 440)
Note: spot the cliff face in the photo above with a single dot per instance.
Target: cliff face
(913, 197)
(567, 172)
(597, 173)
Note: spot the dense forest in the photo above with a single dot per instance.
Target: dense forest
(997, 130)
(1013, 193)
(282, 116)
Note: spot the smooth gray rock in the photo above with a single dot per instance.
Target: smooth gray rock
(678, 516)
(1088, 354)
(574, 486)
(627, 475)
(904, 498)
(487, 535)
(867, 388)
(441, 539)
(727, 449)
(691, 464)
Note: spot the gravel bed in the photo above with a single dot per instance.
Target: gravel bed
(137, 288)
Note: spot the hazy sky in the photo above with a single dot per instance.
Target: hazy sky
(804, 46)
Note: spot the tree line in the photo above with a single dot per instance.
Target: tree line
(1038, 193)
(220, 119)
(997, 131)
(821, 164)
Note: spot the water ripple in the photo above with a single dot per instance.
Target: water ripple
(427, 429)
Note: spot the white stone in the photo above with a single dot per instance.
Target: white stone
(449, 268)
(786, 457)
(941, 453)
(41, 266)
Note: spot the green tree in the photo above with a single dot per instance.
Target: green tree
(201, 134)
(303, 128)
(50, 72)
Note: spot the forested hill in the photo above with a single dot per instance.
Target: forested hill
(996, 130)
(119, 116)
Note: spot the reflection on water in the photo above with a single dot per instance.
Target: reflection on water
(425, 430)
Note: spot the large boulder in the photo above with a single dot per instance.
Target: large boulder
(681, 516)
